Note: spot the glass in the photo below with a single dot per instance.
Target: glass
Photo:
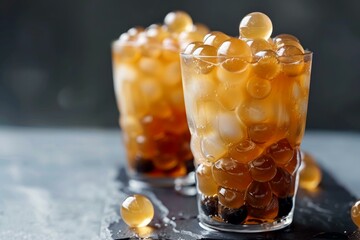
(148, 89)
(247, 120)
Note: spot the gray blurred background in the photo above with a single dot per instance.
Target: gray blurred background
(55, 62)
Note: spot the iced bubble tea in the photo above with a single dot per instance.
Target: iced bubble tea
(246, 103)
(148, 88)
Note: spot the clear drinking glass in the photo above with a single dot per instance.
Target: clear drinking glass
(148, 89)
(246, 129)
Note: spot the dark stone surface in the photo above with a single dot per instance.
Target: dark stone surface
(322, 214)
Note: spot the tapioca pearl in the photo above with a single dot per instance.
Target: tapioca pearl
(215, 39)
(263, 168)
(255, 25)
(285, 36)
(204, 59)
(237, 55)
(283, 43)
(270, 212)
(185, 38)
(291, 59)
(258, 194)
(266, 64)
(191, 47)
(281, 151)
(178, 21)
(310, 175)
(233, 215)
(355, 213)
(281, 183)
(231, 198)
(123, 52)
(258, 88)
(166, 162)
(137, 211)
(231, 174)
(205, 181)
(201, 28)
(209, 205)
(259, 44)
(293, 165)
(245, 151)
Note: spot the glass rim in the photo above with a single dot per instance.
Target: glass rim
(307, 53)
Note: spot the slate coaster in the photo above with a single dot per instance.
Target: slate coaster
(324, 214)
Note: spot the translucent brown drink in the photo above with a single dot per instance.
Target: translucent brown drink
(148, 88)
(246, 103)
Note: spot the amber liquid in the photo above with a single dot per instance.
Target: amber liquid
(149, 94)
(246, 132)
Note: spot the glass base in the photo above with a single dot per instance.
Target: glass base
(181, 184)
(209, 224)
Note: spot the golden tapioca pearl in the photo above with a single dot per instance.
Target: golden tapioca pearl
(270, 212)
(255, 25)
(137, 211)
(231, 198)
(178, 21)
(258, 194)
(281, 151)
(232, 174)
(281, 183)
(236, 53)
(263, 168)
(355, 213)
(215, 39)
(266, 64)
(205, 181)
(245, 151)
(205, 58)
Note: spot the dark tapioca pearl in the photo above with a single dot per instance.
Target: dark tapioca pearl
(142, 165)
(209, 205)
(285, 206)
(233, 215)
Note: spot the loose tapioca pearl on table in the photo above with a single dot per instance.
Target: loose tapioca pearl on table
(255, 25)
(310, 175)
(355, 213)
(137, 211)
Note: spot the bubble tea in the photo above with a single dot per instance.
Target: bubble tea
(147, 82)
(246, 101)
